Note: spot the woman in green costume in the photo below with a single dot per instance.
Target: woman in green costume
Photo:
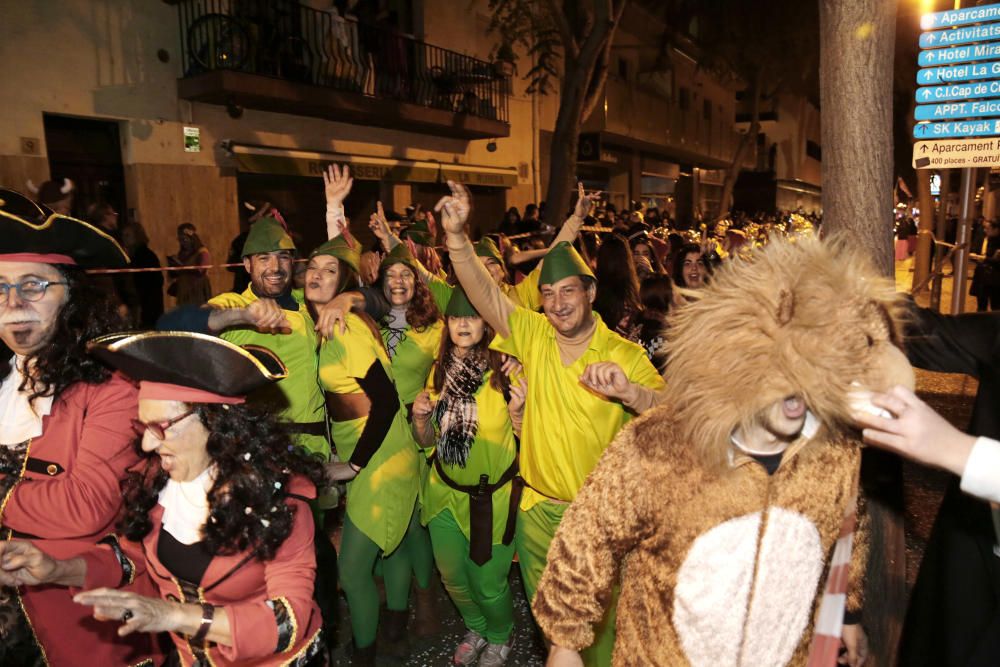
(378, 458)
(470, 495)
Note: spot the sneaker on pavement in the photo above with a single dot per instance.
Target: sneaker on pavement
(468, 649)
(495, 655)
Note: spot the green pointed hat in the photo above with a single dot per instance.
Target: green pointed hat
(419, 232)
(267, 235)
(399, 255)
(343, 250)
(562, 261)
(459, 305)
(485, 247)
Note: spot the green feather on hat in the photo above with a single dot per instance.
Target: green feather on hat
(562, 261)
(459, 305)
(267, 235)
(485, 247)
(419, 232)
(399, 255)
(343, 250)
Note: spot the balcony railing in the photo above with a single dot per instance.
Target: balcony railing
(285, 40)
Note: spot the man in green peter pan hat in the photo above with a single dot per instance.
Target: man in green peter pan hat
(584, 383)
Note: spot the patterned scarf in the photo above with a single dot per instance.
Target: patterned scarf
(456, 412)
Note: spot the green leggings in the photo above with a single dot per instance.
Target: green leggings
(535, 529)
(418, 548)
(358, 556)
(481, 593)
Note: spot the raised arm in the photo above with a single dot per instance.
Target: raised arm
(571, 228)
(482, 290)
(337, 185)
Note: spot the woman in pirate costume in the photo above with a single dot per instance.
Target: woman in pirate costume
(379, 459)
(65, 441)
(216, 517)
(471, 494)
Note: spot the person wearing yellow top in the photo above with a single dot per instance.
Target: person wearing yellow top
(584, 383)
(378, 458)
(470, 496)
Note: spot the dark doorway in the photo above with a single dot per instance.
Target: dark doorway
(89, 153)
(303, 206)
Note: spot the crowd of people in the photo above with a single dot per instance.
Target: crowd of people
(661, 426)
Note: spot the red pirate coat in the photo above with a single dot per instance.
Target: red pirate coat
(272, 615)
(66, 500)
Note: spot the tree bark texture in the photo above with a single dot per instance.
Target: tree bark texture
(585, 68)
(856, 60)
(856, 76)
(746, 141)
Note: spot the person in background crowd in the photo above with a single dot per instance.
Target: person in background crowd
(511, 222)
(642, 247)
(65, 441)
(985, 285)
(190, 286)
(148, 285)
(531, 222)
(656, 294)
(56, 195)
(617, 300)
(470, 497)
(216, 516)
(690, 268)
(120, 286)
(585, 383)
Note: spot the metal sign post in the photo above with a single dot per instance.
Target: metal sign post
(958, 106)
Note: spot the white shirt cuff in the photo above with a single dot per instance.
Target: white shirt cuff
(981, 477)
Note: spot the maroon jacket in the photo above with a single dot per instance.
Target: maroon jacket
(67, 500)
(272, 615)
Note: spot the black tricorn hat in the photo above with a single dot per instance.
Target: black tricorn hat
(32, 232)
(190, 367)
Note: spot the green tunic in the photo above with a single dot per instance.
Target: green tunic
(414, 357)
(380, 499)
(492, 452)
(298, 398)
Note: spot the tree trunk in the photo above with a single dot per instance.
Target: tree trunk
(747, 140)
(565, 139)
(856, 60)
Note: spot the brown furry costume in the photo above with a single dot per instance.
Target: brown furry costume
(720, 563)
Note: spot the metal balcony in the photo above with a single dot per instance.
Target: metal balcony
(278, 55)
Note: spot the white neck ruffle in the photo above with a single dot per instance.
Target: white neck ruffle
(185, 506)
(20, 419)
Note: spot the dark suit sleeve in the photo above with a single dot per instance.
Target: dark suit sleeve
(385, 404)
(953, 343)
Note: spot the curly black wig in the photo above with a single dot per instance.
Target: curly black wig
(248, 509)
(88, 313)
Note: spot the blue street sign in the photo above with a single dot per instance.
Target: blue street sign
(956, 36)
(955, 129)
(966, 72)
(979, 109)
(960, 17)
(958, 91)
(959, 54)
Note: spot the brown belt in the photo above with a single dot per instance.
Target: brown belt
(345, 407)
(481, 508)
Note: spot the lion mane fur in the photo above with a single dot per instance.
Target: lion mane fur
(811, 316)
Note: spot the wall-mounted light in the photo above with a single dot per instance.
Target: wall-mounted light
(492, 147)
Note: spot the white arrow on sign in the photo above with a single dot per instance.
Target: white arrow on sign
(926, 93)
(930, 38)
(928, 75)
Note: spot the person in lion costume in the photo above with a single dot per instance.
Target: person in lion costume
(725, 516)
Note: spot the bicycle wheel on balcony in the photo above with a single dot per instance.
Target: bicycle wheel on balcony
(217, 41)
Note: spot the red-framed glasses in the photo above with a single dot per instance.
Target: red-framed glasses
(158, 429)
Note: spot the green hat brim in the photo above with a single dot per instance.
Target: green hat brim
(339, 247)
(487, 248)
(267, 235)
(562, 261)
(399, 255)
(459, 305)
